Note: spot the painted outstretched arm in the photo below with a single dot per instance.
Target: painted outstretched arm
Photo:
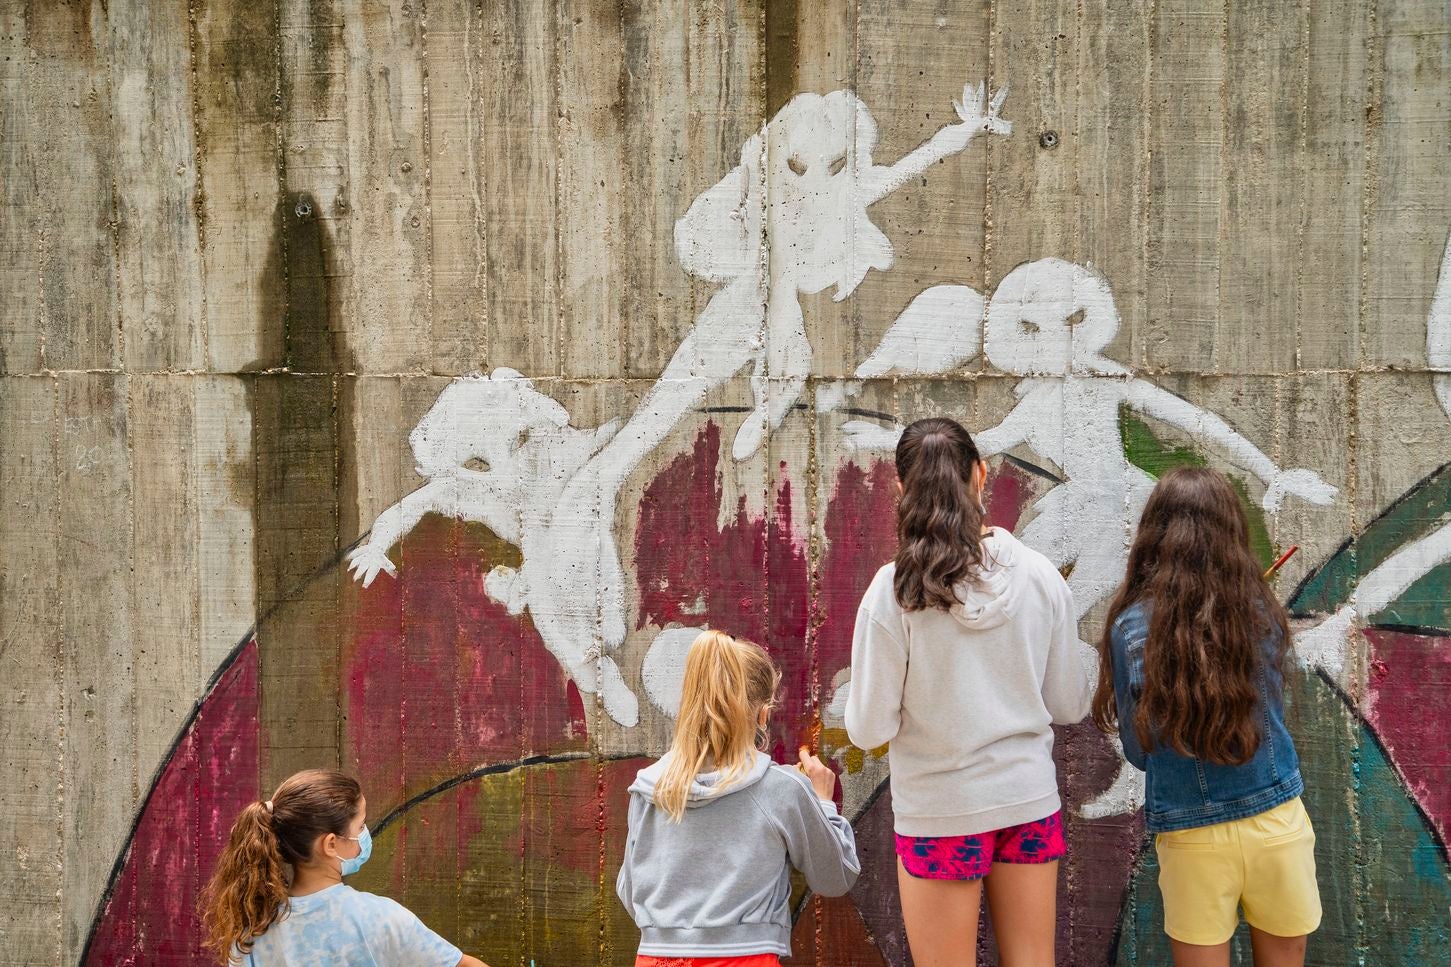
(977, 116)
(868, 435)
(1013, 430)
(441, 495)
(366, 561)
(1159, 403)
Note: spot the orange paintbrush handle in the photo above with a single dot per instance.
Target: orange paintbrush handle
(1280, 563)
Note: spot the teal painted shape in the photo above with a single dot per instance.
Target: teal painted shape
(1423, 509)
(1384, 881)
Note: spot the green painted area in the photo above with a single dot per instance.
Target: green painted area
(1155, 457)
(1384, 883)
(514, 866)
(1425, 604)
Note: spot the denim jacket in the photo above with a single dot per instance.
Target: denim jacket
(1183, 791)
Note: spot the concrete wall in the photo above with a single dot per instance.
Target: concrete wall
(250, 252)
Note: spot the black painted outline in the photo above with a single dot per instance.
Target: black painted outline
(1346, 544)
(224, 666)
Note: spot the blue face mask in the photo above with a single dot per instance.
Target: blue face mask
(365, 850)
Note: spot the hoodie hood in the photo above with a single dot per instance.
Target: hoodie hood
(989, 601)
(706, 787)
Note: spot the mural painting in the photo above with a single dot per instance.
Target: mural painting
(488, 627)
(500, 593)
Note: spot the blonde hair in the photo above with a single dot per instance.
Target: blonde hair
(727, 683)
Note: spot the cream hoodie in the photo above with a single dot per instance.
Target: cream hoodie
(967, 697)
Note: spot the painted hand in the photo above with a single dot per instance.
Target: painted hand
(977, 115)
(1305, 484)
(365, 562)
(1124, 797)
(823, 780)
(1327, 645)
(866, 435)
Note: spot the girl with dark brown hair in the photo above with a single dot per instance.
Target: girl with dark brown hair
(277, 896)
(965, 654)
(1190, 675)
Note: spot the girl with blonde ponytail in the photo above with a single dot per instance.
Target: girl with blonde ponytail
(715, 827)
(277, 896)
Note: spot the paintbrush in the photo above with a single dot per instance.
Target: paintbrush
(1280, 563)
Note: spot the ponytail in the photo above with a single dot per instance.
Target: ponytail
(939, 516)
(727, 682)
(248, 892)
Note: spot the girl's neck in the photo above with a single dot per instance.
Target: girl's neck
(313, 879)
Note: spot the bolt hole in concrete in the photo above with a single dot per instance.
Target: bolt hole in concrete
(1048, 139)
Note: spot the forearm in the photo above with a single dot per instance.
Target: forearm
(1202, 425)
(947, 141)
(393, 523)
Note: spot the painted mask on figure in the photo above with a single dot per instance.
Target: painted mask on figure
(481, 419)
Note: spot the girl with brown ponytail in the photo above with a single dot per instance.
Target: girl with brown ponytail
(965, 655)
(278, 898)
(715, 828)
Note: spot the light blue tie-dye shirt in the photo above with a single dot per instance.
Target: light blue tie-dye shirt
(341, 927)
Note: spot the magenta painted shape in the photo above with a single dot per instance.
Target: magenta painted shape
(747, 576)
(151, 916)
(1410, 678)
(440, 678)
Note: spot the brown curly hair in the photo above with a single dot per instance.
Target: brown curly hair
(939, 516)
(248, 892)
(1212, 610)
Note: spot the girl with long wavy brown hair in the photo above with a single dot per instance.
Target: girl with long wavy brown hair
(965, 654)
(1191, 677)
(277, 896)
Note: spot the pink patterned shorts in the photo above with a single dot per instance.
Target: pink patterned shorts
(970, 857)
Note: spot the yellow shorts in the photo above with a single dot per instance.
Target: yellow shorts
(1265, 863)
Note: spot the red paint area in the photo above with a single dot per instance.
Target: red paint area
(441, 678)
(151, 917)
(747, 576)
(1409, 681)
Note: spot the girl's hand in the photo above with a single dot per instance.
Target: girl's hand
(823, 780)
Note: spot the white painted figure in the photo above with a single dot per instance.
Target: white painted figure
(791, 218)
(1049, 322)
(497, 451)
(1327, 645)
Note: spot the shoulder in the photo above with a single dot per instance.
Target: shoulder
(786, 785)
(883, 582)
(880, 598)
(372, 905)
(1034, 562)
(1131, 627)
(1033, 566)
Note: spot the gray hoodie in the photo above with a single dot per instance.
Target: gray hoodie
(967, 697)
(718, 883)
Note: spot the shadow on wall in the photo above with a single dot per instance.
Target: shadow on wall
(303, 446)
